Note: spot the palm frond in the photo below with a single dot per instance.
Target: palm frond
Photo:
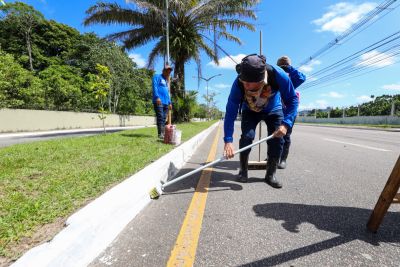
(108, 14)
(157, 50)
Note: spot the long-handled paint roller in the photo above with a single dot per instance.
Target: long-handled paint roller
(154, 193)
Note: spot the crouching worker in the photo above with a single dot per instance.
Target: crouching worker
(259, 87)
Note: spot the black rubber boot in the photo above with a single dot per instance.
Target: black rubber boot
(161, 135)
(270, 177)
(244, 165)
(282, 162)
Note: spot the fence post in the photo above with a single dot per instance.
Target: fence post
(393, 108)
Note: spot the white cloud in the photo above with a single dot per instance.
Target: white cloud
(342, 16)
(222, 86)
(376, 59)
(321, 103)
(226, 62)
(333, 95)
(318, 104)
(138, 59)
(394, 87)
(310, 66)
(364, 98)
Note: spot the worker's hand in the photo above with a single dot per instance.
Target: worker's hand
(170, 107)
(281, 131)
(158, 102)
(228, 150)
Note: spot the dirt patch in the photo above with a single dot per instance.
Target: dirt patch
(41, 235)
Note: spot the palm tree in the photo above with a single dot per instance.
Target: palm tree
(195, 25)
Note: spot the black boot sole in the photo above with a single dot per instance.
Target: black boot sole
(242, 180)
(277, 186)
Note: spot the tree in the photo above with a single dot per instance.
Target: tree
(100, 84)
(19, 88)
(211, 104)
(22, 20)
(62, 86)
(185, 105)
(90, 50)
(190, 24)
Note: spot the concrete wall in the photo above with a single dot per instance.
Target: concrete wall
(391, 120)
(19, 120)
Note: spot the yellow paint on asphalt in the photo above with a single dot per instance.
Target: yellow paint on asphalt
(184, 251)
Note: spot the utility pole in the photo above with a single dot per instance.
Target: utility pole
(167, 30)
(358, 111)
(207, 80)
(344, 115)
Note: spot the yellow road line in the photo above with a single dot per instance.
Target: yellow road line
(184, 251)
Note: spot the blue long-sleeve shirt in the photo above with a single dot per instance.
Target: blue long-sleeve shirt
(286, 90)
(296, 77)
(160, 89)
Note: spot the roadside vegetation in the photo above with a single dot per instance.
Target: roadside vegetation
(379, 106)
(42, 183)
(46, 65)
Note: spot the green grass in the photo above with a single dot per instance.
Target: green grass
(41, 182)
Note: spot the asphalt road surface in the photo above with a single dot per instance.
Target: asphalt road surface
(332, 182)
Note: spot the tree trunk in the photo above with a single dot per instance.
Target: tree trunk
(179, 77)
(181, 111)
(29, 48)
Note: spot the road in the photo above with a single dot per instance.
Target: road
(318, 218)
(8, 139)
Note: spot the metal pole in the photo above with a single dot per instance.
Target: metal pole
(167, 26)
(208, 102)
(260, 128)
(207, 80)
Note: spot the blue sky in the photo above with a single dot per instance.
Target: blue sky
(297, 28)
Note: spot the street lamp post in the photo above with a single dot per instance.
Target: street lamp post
(207, 80)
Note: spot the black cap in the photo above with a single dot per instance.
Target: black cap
(252, 68)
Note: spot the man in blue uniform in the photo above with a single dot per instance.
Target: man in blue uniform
(259, 87)
(161, 98)
(297, 79)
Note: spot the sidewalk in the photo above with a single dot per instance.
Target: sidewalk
(57, 132)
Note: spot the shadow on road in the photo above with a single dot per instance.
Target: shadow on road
(347, 222)
(221, 180)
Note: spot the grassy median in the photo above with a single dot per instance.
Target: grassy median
(42, 183)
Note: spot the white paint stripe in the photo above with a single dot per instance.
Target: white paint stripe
(369, 147)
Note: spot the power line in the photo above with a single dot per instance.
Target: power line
(362, 22)
(388, 47)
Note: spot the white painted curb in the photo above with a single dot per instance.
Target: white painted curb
(90, 230)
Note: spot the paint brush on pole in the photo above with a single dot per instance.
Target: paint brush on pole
(156, 192)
